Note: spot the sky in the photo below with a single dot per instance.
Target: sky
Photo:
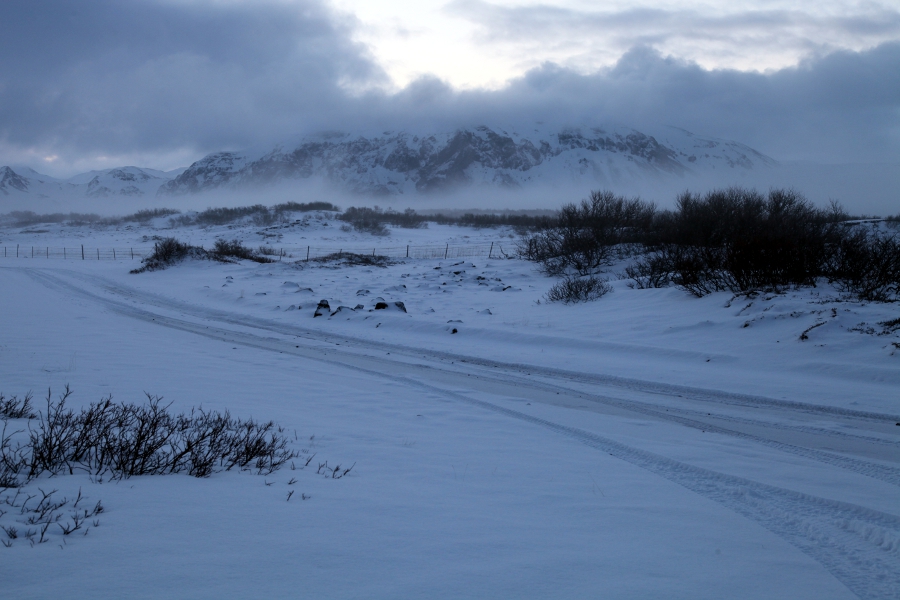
(160, 83)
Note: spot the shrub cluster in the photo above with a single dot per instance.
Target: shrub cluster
(867, 265)
(170, 251)
(578, 289)
(521, 220)
(258, 214)
(375, 220)
(729, 239)
(123, 440)
(235, 249)
(739, 240)
(586, 237)
(26, 217)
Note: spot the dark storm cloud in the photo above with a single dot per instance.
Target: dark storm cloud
(109, 76)
(101, 77)
(844, 106)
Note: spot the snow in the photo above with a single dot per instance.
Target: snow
(648, 444)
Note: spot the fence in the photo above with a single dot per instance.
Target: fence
(302, 253)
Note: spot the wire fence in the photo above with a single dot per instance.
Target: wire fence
(295, 253)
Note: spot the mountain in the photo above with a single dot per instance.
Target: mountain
(395, 163)
(405, 163)
(119, 182)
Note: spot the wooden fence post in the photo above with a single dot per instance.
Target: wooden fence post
(491, 250)
(307, 254)
(407, 251)
(447, 249)
(82, 252)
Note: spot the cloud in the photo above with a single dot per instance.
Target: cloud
(774, 35)
(100, 82)
(842, 107)
(109, 77)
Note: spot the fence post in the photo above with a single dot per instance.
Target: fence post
(132, 253)
(407, 251)
(64, 253)
(446, 250)
(17, 251)
(82, 252)
(114, 254)
(491, 250)
(373, 251)
(98, 253)
(48, 251)
(307, 254)
(32, 252)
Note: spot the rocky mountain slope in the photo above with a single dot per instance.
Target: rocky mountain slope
(406, 163)
(393, 163)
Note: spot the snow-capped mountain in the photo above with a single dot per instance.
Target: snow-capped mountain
(121, 182)
(125, 181)
(406, 163)
(393, 163)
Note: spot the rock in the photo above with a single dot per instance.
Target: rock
(381, 305)
(359, 307)
(322, 308)
(400, 305)
(362, 292)
(290, 285)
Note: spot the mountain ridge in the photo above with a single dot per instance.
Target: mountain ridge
(396, 163)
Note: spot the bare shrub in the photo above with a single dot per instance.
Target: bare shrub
(352, 259)
(578, 289)
(167, 252)
(584, 237)
(235, 249)
(867, 265)
(739, 240)
(15, 408)
(124, 440)
(366, 220)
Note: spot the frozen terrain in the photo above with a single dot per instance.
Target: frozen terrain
(646, 445)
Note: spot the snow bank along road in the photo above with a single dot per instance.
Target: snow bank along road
(842, 512)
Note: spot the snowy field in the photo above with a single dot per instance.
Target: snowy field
(646, 445)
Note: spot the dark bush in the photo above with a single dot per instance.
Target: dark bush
(739, 240)
(366, 220)
(235, 249)
(867, 265)
(587, 236)
(352, 259)
(15, 408)
(125, 440)
(167, 252)
(578, 289)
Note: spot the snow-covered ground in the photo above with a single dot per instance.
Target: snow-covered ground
(646, 445)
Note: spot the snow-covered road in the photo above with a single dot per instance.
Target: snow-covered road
(821, 478)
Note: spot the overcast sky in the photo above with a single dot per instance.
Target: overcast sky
(159, 83)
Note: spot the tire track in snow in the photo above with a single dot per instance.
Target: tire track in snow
(881, 472)
(858, 546)
(639, 385)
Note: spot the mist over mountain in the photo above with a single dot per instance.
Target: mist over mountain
(531, 165)
(421, 164)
